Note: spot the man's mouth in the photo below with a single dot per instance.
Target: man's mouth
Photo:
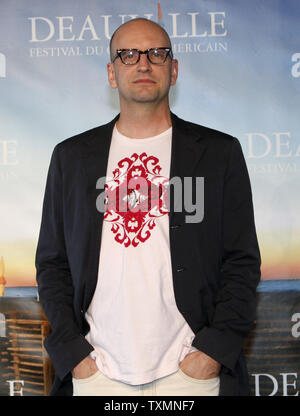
(144, 81)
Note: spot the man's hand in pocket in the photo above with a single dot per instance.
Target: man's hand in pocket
(86, 368)
(199, 365)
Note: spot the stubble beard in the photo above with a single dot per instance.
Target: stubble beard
(148, 97)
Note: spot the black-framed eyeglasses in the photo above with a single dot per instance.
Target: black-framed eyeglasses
(132, 56)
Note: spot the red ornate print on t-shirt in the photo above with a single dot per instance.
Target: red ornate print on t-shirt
(135, 197)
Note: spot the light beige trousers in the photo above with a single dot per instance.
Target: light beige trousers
(176, 384)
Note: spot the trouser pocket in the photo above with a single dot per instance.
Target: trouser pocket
(85, 386)
(201, 387)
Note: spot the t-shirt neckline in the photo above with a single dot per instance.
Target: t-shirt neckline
(159, 136)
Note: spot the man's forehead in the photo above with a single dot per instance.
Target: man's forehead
(139, 30)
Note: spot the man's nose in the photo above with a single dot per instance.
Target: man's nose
(144, 65)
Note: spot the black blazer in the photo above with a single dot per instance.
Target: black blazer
(215, 263)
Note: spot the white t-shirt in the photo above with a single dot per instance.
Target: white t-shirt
(136, 329)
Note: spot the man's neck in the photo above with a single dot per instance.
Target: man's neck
(144, 122)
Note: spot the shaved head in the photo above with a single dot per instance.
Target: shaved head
(140, 21)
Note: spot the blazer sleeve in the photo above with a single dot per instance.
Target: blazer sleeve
(235, 301)
(65, 345)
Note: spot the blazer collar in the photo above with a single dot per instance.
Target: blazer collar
(187, 148)
(96, 152)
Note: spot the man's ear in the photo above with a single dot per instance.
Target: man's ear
(111, 75)
(174, 71)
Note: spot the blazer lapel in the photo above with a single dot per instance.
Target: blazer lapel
(95, 159)
(187, 150)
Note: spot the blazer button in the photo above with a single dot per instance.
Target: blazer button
(175, 226)
(180, 269)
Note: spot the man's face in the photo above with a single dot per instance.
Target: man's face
(142, 82)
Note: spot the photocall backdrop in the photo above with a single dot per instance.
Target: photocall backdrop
(239, 72)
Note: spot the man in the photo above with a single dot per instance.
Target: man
(147, 301)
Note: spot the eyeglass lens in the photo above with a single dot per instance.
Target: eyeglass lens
(155, 56)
